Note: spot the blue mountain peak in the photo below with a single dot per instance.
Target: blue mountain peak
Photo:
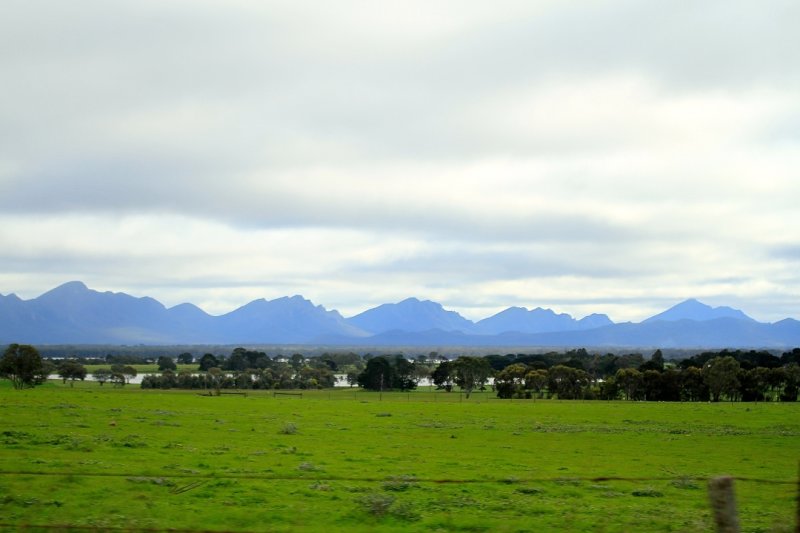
(693, 309)
(71, 287)
(410, 314)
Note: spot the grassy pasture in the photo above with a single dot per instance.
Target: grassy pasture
(343, 460)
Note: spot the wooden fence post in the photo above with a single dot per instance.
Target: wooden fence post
(797, 518)
(723, 503)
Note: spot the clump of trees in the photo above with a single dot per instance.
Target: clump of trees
(119, 375)
(521, 381)
(469, 373)
(71, 370)
(708, 376)
(22, 364)
(246, 369)
(382, 373)
(166, 363)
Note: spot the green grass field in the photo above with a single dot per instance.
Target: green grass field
(343, 460)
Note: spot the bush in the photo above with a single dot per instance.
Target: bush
(380, 505)
(288, 429)
(376, 504)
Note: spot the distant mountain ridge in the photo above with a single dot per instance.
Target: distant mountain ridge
(692, 309)
(520, 319)
(284, 321)
(410, 315)
(74, 314)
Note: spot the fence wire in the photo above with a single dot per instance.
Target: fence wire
(201, 479)
(440, 481)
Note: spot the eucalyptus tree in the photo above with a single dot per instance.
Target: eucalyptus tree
(721, 376)
(471, 373)
(536, 380)
(71, 370)
(101, 375)
(630, 381)
(22, 364)
(442, 376)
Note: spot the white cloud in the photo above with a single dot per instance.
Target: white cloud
(608, 157)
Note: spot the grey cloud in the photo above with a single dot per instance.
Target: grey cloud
(451, 266)
(396, 101)
(228, 111)
(690, 44)
(121, 186)
(286, 79)
(62, 264)
(791, 253)
(168, 183)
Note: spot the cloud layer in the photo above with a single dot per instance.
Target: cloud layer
(605, 156)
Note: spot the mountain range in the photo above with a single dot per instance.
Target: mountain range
(74, 314)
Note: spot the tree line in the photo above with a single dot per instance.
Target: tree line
(575, 374)
(735, 375)
(245, 369)
(719, 378)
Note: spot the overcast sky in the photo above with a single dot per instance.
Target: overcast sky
(612, 157)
